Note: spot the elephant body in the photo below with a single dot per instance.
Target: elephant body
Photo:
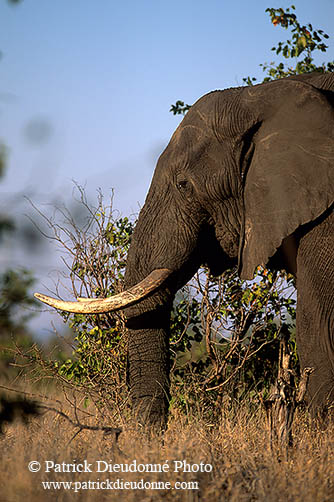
(249, 175)
(247, 179)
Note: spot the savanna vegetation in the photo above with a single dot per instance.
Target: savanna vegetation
(235, 444)
(225, 341)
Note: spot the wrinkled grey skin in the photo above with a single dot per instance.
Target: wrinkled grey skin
(247, 178)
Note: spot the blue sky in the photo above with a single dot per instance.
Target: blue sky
(86, 87)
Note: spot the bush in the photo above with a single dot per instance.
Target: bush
(230, 333)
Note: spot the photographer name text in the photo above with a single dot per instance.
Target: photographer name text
(134, 466)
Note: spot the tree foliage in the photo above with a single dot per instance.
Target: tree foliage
(298, 52)
(15, 298)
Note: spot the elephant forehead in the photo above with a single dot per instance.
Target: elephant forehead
(188, 142)
(188, 135)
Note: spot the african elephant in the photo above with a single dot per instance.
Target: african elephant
(247, 179)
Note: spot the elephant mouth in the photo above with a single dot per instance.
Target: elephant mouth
(120, 301)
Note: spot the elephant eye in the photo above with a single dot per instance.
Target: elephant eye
(182, 184)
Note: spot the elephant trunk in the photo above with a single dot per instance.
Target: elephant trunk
(148, 322)
(148, 326)
(148, 374)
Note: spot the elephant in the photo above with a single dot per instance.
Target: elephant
(247, 179)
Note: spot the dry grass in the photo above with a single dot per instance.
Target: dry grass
(244, 468)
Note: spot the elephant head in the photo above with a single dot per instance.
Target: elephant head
(245, 169)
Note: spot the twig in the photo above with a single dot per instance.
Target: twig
(80, 426)
(75, 423)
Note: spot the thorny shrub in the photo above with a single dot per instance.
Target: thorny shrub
(225, 337)
(94, 251)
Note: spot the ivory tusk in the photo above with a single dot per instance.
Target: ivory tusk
(100, 305)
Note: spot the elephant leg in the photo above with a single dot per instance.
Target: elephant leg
(315, 312)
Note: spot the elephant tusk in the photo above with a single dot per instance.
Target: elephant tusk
(100, 305)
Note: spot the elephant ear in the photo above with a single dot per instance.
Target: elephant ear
(290, 179)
